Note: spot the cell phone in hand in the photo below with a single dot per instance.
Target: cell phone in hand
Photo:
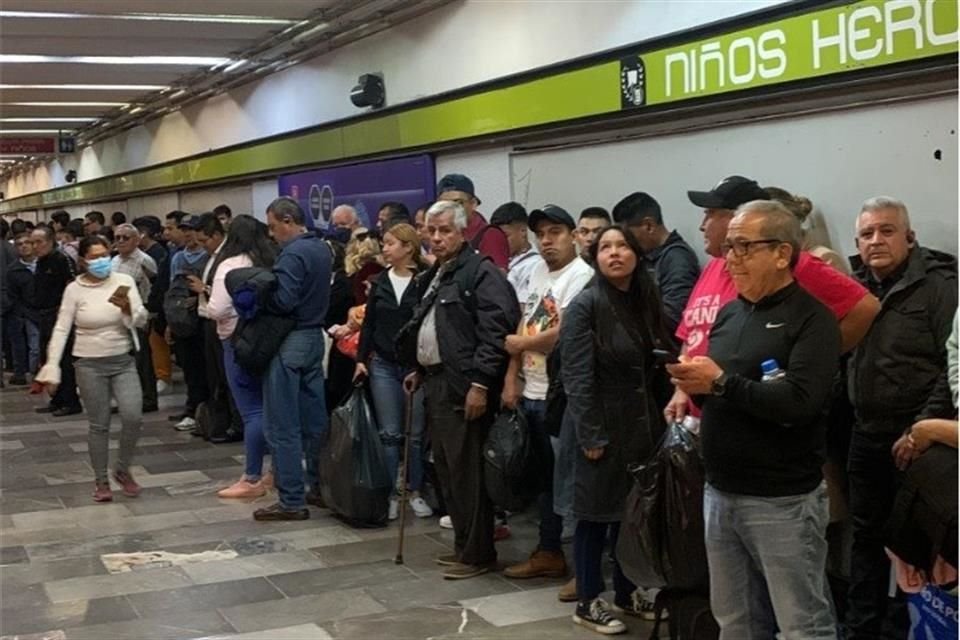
(666, 357)
(121, 292)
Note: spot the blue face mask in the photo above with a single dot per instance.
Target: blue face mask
(100, 268)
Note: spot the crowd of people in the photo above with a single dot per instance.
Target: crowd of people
(813, 383)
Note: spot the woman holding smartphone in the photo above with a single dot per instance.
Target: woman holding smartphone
(389, 307)
(104, 308)
(606, 341)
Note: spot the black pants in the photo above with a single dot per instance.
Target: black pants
(458, 457)
(148, 379)
(874, 481)
(190, 357)
(66, 396)
(588, 543)
(218, 391)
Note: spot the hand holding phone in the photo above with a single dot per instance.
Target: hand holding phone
(121, 298)
(666, 357)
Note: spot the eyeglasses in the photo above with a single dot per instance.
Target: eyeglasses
(363, 235)
(741, 248)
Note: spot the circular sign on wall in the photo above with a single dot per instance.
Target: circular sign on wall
(326, 203)
(314, 202)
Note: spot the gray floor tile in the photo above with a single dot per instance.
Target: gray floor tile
(302, 583)
(15, 505)
(434, 590)
(410, 624)
(66, 614)
(190, 624)
(13, 555)
(39, 572)
(519, 607)
(382, 549)
(116, 584)
(252, 566)
(333, 605)
(298, 632)
(204, 597)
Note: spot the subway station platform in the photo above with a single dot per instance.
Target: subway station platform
(177, 562)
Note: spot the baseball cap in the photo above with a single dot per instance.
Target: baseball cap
(190, 221)
(730, 193)
(456, 182)
(553, 213)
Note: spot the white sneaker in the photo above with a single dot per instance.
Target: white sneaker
(163, 388)
(446, 522)
(394, 512)
(187, 424)
(421, 508)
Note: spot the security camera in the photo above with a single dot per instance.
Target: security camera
(369, 92)
(71, 176)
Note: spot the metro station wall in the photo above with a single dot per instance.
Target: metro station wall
(455, 46)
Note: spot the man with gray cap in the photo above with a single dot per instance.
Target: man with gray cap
(482, 237)
(852, 305)
(554, 283)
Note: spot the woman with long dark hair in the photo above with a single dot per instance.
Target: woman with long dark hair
(389, 307)
(606, 337)
(103, 308)
(247, 245)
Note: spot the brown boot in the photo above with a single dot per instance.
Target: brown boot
(547, 564)
(568, 592)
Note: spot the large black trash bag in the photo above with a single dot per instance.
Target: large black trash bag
(508, 458)
(661, 536)
(354, 479)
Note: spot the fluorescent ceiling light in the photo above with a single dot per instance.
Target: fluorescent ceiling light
(7, 132)
(193, 61)
(151, 17)
(63, 103)
(48, 119)
(88, 87)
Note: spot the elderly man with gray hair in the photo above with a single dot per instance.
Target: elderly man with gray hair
(137, 264)
(764, 388)
(890, 379)
(456, 342)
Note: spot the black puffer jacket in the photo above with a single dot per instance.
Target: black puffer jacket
(257, 339)
(476, 310)
(895, 368)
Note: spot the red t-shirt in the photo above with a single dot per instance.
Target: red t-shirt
(493, 243)
(715, 288)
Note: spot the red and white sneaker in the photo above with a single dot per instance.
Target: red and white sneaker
(127, 484)
(102, 492)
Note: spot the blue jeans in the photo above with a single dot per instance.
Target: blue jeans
(295, 413)
(551, 525)
(767, 561)
(389, 403)
(247, 393)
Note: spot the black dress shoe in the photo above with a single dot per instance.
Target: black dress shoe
(229, 436)
(47, 409)
(66, 411)
(278, 512)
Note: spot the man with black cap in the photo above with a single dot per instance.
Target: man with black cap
(512, 220)
(555, 282)
(671, 262)
(852, 305)
(482, 237)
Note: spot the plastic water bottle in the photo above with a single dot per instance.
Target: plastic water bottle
(771, 370)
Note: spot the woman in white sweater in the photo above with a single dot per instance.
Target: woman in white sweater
(103, 308)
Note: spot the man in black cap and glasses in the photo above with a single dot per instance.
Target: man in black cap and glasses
(482, 237)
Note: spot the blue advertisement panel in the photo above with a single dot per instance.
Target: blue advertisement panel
(411, 180)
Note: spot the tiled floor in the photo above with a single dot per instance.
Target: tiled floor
(217, 573)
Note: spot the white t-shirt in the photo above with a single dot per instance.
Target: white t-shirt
(400, 284)
(518, 274)
(548, 294)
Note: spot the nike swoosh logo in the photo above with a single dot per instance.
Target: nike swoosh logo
(771, 325)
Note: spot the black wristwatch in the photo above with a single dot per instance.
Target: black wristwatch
(719, 385)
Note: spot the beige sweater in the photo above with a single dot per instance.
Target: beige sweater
(102, 330)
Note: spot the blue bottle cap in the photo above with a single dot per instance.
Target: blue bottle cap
(769, 366)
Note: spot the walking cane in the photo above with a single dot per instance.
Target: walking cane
(407, 427)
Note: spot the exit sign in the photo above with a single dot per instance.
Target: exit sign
(27, 145)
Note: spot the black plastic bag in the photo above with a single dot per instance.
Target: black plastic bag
(508, 461)
(661, 536)
(354, 479)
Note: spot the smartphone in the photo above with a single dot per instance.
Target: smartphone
(666, 357)
(121, 292)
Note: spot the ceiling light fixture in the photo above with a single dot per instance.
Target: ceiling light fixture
(88, 87)
(63, 103)
(17, 132)
(47, 119)
(152, 17)
(193, 61)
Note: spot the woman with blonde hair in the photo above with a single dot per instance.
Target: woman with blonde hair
(389, 307)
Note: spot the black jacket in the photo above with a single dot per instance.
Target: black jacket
(8, 257)
(894, 369)
(54, 273)
(675, 269)
(768, 438)
(476, 310)
(257, 339)
(385, 316)
(606, 373)
(20, 290)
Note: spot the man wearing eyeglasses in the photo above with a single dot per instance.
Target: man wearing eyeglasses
(137, 264)
(764, 389)
(852, 305)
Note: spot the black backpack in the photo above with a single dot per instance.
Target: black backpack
(180, 308)
(508, 462)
